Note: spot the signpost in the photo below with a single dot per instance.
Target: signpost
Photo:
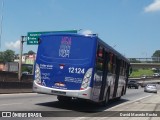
(32, 37)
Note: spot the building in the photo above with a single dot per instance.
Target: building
(27, 59)
(2, 66)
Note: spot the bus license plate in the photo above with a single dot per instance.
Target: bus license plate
(58, 92)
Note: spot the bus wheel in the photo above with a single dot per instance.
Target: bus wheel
(105, 102)
(63, 98)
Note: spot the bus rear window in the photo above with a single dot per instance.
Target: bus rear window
(68, 48)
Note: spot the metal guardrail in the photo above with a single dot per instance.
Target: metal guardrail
(146, 79)
(13, 77)
(145, 65)
(145, 60)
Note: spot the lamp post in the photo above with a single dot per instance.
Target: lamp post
(1, 21)
(20, 57)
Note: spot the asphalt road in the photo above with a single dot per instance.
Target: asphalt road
(41, 102)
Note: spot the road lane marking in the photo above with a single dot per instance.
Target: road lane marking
(129, 102)
(18, 94)
(80, 118)
(10, 104)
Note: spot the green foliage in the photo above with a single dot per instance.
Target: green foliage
(156, 70)
(1, 57)
(16, 56)
(25, 53)
(134, 70)
(156, 56)
(26, 69)
(31, 52)
(7, 56)
(156, 53)
(140, 72)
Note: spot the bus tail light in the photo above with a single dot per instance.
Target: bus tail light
(86, 79)
(37, 74)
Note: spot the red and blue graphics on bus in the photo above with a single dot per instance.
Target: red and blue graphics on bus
(65, 61)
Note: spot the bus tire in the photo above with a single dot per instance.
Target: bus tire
(105, 102)
(63, 98)
(122, 93)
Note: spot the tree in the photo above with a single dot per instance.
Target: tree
(1, 57)
(8, 56)
(156, 55)
(25, 53)
(16, 56)
(31, 52)
(26, 69)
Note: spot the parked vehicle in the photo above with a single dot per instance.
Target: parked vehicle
(133, 84)
(150, 88)
(142, 84)
(144, 76)
(25, 73)
(156, 75)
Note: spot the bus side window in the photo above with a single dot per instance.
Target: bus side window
(114, 64)
(99, 58)
(125, 72)
(99, 64)
(110, 65)
(100, 52)
(125, 68)
(122, 68)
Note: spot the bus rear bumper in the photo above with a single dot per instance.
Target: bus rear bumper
(84, 94)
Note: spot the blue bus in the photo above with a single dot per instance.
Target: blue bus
(79, 66)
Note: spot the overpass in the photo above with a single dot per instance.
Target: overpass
(145, 65)
(153, 62)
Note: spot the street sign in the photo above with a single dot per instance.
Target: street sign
(32, 37)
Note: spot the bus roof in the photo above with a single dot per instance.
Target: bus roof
(109, 48)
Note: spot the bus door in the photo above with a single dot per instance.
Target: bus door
(117, 72)
(100, 74)
(128, 72)
(104, 76)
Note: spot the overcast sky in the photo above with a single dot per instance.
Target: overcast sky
(132, 27)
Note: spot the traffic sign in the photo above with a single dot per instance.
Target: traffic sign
(32, 37)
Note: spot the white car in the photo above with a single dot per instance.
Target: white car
(150, 88)
(144, 76)
(25, 73)
(156, 75)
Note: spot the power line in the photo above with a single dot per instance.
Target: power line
(1, 22)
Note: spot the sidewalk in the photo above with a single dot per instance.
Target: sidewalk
(144, 109)
(151, 103)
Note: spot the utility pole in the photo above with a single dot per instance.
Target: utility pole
(1, 21)
(20, 57)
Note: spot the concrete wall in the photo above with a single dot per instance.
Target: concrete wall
(15, 85)
(11, 76)
(9, 83)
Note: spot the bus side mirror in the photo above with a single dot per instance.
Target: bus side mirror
(39, 41)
